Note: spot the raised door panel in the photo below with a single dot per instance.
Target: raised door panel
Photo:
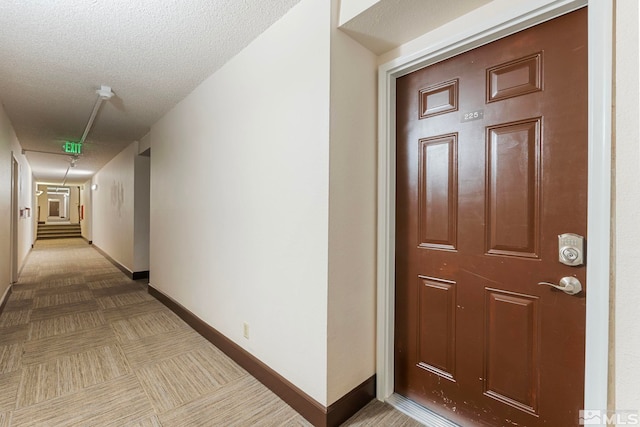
(438, 192)
(513, 188)
(511, 349)
(436, 331)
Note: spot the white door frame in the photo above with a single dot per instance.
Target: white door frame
(15, 177)
(481, 27)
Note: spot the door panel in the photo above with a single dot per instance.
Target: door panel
(513, 189)
(438, 191)
(511, 347)
(54, 208)
(491, 168)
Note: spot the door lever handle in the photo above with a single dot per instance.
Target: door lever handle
(569, 285)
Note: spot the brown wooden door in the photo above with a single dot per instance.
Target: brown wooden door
(54, 208)
(491, 168)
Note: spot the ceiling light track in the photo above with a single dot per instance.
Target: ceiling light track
(26, 150)
(104, 93)
(64, 180)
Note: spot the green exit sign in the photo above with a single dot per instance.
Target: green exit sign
(72, 147)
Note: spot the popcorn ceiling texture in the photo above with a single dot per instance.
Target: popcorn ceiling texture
(55, 54)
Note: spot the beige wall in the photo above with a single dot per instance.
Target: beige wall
(113, 207)
(352, 215)
(289, 191)
(74, 203)
(248, 241)
(625, 337)
(118, 210)
(86, 224)
(145, 143)
(42, 203)
(141, 206)
(10, 146)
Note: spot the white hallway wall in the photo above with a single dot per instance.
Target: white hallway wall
(352, 214)
(625, 339)
(280, 216)
(9, 144)
(86, 224)
(113, 208)
(249, 241)
(74, 204)
(141, 215)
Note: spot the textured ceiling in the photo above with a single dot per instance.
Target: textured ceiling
(389, 23)
(55, 54)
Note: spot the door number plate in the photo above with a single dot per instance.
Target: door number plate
(472, 115)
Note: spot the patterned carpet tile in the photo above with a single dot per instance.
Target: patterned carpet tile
(69, 374)
(21, 286)
(143, 326)
(9, 390)
(114, 403)
(377, 413)
(10, 358)
(61, 281)
(114, 290)
(19, 293)
(150, 350)
(16, 305)
(244, 402)
(62, 310)
(184, 378)
(118, 280)
(61, 299)
(38, 383)
(5, 419)
(14, 318)
(107, 273)
(132, 310)
(65, 324)
(124, 299)
(147, 422)
(13, 334)
(45, 291)
(56, 277)
(39, 351)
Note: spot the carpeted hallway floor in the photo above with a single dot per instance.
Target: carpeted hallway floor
(82, 345)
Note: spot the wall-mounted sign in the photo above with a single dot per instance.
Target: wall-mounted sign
(72, 147)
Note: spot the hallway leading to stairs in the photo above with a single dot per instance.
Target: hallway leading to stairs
(83, 345)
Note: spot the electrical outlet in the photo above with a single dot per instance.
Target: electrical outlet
(246, 330)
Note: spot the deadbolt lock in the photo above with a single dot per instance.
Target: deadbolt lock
(571, 249)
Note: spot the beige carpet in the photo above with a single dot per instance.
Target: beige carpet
(82, 345)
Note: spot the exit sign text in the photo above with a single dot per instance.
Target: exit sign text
(72, 147)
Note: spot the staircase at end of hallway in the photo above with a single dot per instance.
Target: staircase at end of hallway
(58, 231)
